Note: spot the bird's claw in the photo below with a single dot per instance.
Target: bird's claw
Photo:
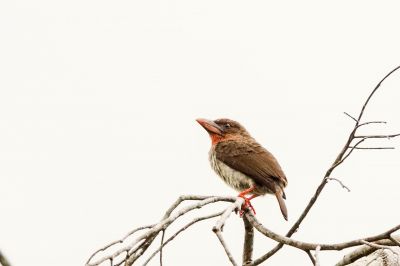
(245, 205)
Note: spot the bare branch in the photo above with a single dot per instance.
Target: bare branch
(372, 148)
(340, 182)
(161, 246)
(313, 246)
(377, 136)
(220, 223)
(137, 247)
(371, 122)
(363, 251)
(222, 241)
(138, 251)
(118, 241)
(374, 90)
(196, 220)
(3, 260)
(351, 150)
(182, 199)
(248, 241)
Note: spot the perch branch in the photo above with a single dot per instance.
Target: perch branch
(313, 246)
(248, 241)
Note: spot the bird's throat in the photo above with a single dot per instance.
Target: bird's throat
(215, 138)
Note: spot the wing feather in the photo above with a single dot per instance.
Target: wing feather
(253, 160)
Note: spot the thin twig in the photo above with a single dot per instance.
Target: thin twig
(3, 260)
(224, 245)
(377, 136)
(217, 229)
(310, 255)
(373, 92)
(196, 220)
(236, 205)
(371, 122)
(118, 241)
(351, 150)
(161, 246)
(377, 246)
(394, 240)
(167, 213)
(340, 182)
(352, 117)
(139, 246)
(182, 199)
(138, 251)
(372, 148)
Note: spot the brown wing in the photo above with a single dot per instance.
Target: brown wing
(253, 160)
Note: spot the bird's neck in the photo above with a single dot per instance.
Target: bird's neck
(215, 138)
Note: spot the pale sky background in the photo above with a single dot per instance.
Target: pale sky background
(98, 101)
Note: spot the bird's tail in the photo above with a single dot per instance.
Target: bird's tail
(280, 197)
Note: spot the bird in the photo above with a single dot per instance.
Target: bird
(243, 163)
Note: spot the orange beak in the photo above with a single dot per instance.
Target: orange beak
(210, 126)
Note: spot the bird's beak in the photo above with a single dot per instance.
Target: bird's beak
(210, 126)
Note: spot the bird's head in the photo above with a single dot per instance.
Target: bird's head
(223, 129)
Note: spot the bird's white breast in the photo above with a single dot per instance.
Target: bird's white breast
(235, 179)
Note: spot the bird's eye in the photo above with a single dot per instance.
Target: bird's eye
(227, 125)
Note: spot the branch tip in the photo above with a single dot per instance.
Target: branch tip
(352, 117)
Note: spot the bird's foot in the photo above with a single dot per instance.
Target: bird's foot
(245, 205)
